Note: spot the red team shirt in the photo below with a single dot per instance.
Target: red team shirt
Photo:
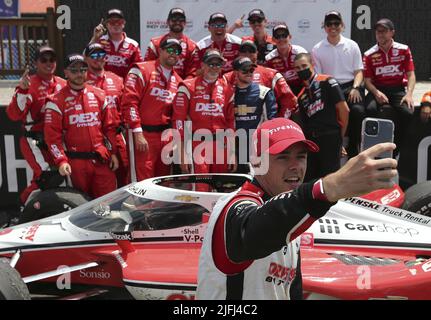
(148, 96)
(185, 66)
(119, 61)
(286, 65)
(388, 70)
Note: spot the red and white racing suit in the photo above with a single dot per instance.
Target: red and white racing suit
(119, 60)
(229, 50)
(184, 67)
(147, 107)
(286, 66)
(208, 106)
(76, 125)
(113, 87)
(286, 100)
(27, 106)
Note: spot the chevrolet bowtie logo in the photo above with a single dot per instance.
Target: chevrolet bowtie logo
(243, 110)
(186, 198)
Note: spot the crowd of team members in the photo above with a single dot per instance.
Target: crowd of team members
(221, 82)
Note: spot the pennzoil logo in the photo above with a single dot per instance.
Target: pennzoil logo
(185, 198)
(329, 226)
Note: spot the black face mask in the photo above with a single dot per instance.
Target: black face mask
(305, 74)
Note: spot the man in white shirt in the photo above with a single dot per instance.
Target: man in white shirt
(341, 58)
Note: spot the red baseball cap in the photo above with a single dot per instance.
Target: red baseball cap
(281, 134)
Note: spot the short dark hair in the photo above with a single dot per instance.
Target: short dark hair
(304, 55)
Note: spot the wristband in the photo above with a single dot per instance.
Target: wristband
(318, 192)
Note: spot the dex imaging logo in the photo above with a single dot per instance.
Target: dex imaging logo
(329, 226)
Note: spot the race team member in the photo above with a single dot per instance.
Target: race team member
(282, 58)
(254, 104)
(208, 102)
(389, 69)
(27, 106)
(176, 22)
(286, 100)
(113, 86)
(77, 123)
(426, 107)
(219, 39)
(342, 59)
(263, 41)
(251, 248)
(122, 51)
(150, 88)
(325, 116)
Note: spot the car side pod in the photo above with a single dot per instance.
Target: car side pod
(123, 240)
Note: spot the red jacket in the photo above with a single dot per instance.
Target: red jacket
(184, 66)
(148, 95)
(119, 61)
(81, 120)
(229, 49)
(388, 70)
(27, 105)
(208, 106)
(113, 87)
(286, 100)
(286, 65)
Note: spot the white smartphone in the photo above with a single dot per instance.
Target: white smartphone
(375, 131)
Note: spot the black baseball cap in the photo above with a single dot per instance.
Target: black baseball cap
(211, 54)
(117, 13)
(243, 64)
(256, 13)
(171, 43)
(279, 27)
(176, 12)
(217, 16)
(45, 50)
(93, 47)
(73, 59)
(333, 15)
(248, 44)
(386, 23)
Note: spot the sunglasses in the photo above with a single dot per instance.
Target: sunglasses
(78, 70)
(46, 60)
(249, 71)
(175, 51)
(98, 55)
(281, 36)
(116, 22)
(215, 65)
(255, 21)
(218, 25)
(333, 23)
(179, 19)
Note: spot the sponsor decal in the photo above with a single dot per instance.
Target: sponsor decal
(162, 95)
(307, 240)
(85, 119)
(329, 226)
(116, 61)
(279, 274)
(138, 191)
(94, 274)
(30, 232)
(186, 198)
(388, 70)
(5, 231)
(426, 267)
(243, 110)
(122, 236)
(384, 228)
(394, 195)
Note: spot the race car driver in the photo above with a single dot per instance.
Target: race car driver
(219, 39)
(207, 102)
(122, 51)
(254, 104)
(77, 123)
(146, 106)
(282, 58)
(27, 106)
(113, 86)
(286, 100)
(176, 22)
(251, 246)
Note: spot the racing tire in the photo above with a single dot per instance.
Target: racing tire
(418, 199)
(51, 202)
(12, 287)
